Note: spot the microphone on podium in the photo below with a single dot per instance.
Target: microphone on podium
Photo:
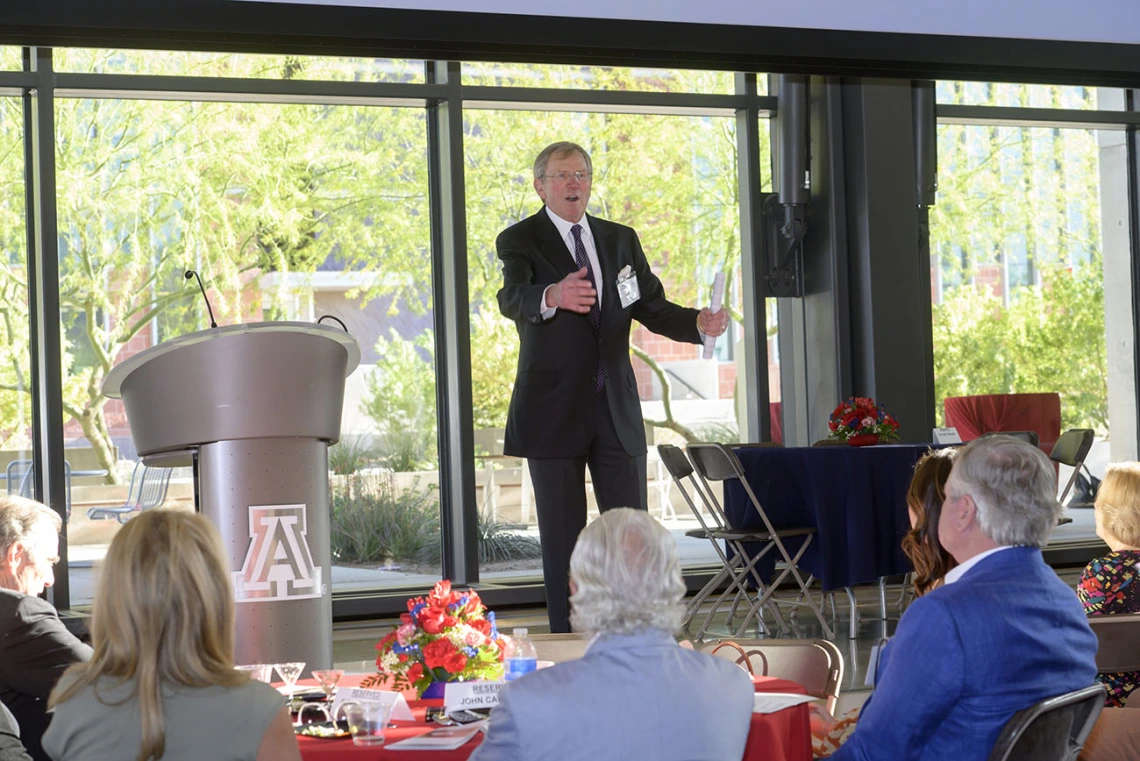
(193, 274)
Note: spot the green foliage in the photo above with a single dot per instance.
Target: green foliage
(349, 455)
(400, 399)
(374, 521)
(1049, 338)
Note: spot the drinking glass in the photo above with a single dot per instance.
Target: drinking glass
(367, 720)
(262, 672)
(289, 673)
(328, 679)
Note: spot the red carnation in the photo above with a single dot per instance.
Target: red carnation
(455, 662)
(388, 638)
(415, 672)
(437, 653)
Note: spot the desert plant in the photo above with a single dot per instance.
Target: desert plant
(499, 541)
(373, 521)
(350, 455)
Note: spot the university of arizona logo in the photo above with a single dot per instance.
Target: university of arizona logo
(278, 565)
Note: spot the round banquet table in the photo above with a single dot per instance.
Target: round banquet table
(781, 736)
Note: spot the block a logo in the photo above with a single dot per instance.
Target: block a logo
(278, 565)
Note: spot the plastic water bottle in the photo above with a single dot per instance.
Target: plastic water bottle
(519, 656)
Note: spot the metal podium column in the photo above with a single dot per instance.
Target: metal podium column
(269, 499)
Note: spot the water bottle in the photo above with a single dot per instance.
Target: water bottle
(519, 656)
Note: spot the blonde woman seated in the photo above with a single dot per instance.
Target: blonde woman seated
(1111, 584)
(161, 683)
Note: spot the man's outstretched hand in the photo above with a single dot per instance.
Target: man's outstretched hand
(712, 323)
(573, 293)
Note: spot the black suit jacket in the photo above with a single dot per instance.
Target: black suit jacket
(35, 649)
(551, 412)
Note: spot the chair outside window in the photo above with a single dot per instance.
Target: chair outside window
(147, 490)
(716, 462)
(1054, 729)
(714, 527)
(1071, 449)
(21, 475)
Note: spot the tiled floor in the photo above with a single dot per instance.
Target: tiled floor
(354, 644)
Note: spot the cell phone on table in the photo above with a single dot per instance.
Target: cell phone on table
(467, 716)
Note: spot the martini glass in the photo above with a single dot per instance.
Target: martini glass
(328, 679)
(290, 673)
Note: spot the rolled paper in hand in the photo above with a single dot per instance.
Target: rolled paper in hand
(714, 305)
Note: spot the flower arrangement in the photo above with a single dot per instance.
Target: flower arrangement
(859, 420)
(448, 636)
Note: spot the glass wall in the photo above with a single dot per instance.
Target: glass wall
(289, 212)
(1030, 225)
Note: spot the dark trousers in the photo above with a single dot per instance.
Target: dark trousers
(560, 500)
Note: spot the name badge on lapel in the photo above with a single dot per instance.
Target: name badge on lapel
(627, 287)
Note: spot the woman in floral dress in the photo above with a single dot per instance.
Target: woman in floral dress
(1111, 584)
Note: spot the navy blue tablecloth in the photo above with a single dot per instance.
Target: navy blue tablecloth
(854, 496)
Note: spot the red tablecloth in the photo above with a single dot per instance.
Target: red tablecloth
(780, 736)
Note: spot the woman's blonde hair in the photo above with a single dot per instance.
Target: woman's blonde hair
(163, 614)
(1118, 502)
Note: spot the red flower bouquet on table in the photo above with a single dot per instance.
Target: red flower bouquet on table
(446, 637)
(860, 421)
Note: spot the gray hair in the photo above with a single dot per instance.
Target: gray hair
(557, 151)
(1014, 487)
(19, 517)
(628, 575)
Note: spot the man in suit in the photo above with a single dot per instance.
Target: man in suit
(573, 284)
(35, 647)
(635, 694)
(1002, 633)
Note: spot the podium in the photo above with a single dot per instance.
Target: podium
(253, 408)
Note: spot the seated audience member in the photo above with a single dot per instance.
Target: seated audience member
(11, 749)
(35, 647)
(1111, 584)
(161, 682)
(1000, 634)
(635, 694)
(924, 499)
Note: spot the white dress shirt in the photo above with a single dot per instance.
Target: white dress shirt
(564, 228)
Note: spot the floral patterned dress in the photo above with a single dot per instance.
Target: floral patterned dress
(1111, 584)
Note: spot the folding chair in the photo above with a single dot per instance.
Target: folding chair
(715, 528)
(1054, 729)
(1071, 449)
(716, 462)
(816, 664)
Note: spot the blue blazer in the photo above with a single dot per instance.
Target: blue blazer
(632, 697)
(969, 655)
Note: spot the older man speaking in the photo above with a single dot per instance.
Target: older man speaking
(1002, 633)
(35, 647)
(635, 694)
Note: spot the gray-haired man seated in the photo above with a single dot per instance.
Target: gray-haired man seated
(635, 694)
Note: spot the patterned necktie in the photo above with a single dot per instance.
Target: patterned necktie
(582, 260)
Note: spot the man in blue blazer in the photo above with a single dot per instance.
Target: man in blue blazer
(635, 694)
(1002, 633)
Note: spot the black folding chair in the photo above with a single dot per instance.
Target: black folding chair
(714, 527)
(1118, 642)
(1071, 449)
(1054, 729)
(716, 462)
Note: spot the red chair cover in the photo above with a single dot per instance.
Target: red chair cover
(976, 415)
(776, 413)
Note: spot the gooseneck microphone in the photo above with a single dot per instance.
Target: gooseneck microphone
(193, 274)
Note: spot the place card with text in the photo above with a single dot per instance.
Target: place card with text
(400, 709)
(461, 696)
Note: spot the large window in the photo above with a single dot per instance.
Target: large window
(1027, 237)
(288, 212)
(674, 180)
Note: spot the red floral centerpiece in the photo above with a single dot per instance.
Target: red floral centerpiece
(448, 636)
(859, 422)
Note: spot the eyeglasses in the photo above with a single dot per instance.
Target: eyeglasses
(566, 176)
